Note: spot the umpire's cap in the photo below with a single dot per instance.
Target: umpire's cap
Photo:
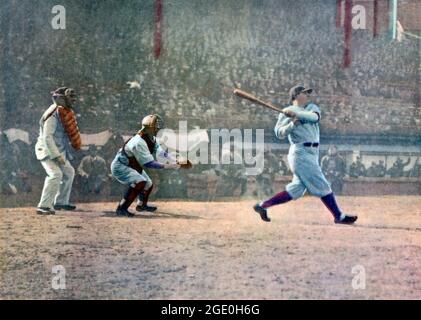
(296, 90)
(63, 91)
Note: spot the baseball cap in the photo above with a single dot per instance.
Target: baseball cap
(296, 90)
(64, 91)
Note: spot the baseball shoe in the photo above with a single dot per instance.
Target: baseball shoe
(145, 207)
(262, 211)
(123, 212)
(347, 219)
(45, 211)
(67, 207)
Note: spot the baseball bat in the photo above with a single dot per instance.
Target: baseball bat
(254, 99)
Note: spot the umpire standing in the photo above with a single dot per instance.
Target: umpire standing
(58, 137)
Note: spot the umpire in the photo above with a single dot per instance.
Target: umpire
(58, 137)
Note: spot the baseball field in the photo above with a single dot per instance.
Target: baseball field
(214, 250)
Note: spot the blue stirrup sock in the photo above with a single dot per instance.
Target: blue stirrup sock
(279, 198)
(330, 202)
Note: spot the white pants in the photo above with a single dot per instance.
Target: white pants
(308, 176)
(57, 184)
(126, 175)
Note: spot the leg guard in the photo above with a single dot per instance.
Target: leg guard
(131, 194)
(146, 194)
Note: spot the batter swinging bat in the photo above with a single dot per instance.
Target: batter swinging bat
(250, 97)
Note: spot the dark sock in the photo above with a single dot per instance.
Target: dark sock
(279, 198)
(128, 198)
(131, 195)
(331, 204)
(146, 194)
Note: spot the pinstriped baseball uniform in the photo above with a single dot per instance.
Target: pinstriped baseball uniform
(303, 160)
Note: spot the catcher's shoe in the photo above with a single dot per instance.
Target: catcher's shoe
(45, 211)
(347, 219)
(262, 211)
(67, 207)
(145, 207)
(123, 212)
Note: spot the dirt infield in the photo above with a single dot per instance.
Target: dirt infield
(218, 250)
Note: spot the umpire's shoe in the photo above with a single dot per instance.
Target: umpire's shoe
(262, 211)
(123, 212)
(145, 207)
(67, 207)
(45, 211)
(346, 219)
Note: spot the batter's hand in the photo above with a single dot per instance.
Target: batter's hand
(289, 114)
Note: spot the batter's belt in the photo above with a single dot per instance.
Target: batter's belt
(311, 144)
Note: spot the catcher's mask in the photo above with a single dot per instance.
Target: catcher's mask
(152, 123)
(64, 96)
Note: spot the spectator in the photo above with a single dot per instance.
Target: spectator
(397, 169)
(265, 179)
(109, 150)
(416, 169)
(334, 167)
(381, 169)
(357, 169)
(283, 168)
(372, 170)
(13, 162)
(93, 172)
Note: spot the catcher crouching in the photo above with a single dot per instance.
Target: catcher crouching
(138, 153)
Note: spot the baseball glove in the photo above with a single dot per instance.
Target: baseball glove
(186, 164)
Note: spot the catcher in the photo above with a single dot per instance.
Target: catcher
(138, 153)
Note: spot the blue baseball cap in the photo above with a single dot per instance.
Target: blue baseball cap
(296, 90)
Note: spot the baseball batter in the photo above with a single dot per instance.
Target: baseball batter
(300, 122)
(137, 154)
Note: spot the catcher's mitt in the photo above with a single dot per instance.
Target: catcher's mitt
(186, 164)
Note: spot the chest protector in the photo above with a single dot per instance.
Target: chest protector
(69, 123)
(68, 120)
